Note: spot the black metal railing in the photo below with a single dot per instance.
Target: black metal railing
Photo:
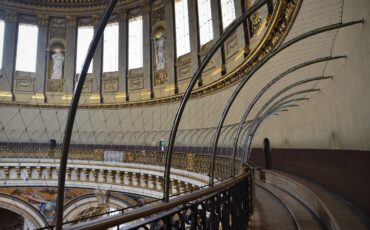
(227, 205)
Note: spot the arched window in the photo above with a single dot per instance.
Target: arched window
(84, 37)
(205, 21)
(2, 27)
(228, 12)
(110, 48)
(27, 48)
(135, 42)
(182, 27)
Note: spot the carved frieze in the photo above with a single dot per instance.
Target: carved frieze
(57, 28)
(55, 86)
(87, 87)
(160, 78)
(184, 72)
(24, 85)
(110, 85)
(136, 83)
(158, 15)
(231, 46)
(136, 79)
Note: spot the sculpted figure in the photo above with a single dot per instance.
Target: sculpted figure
(58, 59)
(160, 58)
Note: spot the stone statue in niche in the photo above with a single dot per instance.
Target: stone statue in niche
(58, 59)
(159, 46)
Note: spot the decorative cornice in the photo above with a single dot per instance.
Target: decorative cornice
(65, 7)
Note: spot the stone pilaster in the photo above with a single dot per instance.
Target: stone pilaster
(9, 52)
(194, 35)
(219, 56)
(122, 55)
(70, 55)
(147, 47)
(97, 62)
(41, 57)
(170, 44)
(240, 31)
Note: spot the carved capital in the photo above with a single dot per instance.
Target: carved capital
(146, 8)
(95, 19)
(42, 20)
(71, 20)
(11, 16)
(121, 15)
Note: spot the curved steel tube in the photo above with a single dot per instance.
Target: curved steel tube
(281, 107)
(191, 85)
(252, 130)
(246, 78)
(278, 94)
(274, 110)
(264, 89)
(72, 114)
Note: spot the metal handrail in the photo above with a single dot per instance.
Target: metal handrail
(146, 211)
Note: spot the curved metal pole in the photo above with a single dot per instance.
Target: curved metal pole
(246, 78)
(249, 136)
(274, 109)
(200, 136)
(72, 114)
(264, 89)
(232, 134)
(226, 130)
(259, 121)
(231, 28)
(278, 94)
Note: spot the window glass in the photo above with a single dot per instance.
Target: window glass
(110, 56)
(27, 48)
(135, 42)
(182, 27)
(2, 27)
(84, 37)
(228, 12)
(205, 21)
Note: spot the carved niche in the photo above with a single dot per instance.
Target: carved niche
(56, 67)
(159, 44)
(56, 55)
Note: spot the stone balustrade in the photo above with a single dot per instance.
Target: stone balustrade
(193, 162)
(128, 177)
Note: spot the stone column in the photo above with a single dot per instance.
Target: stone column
(194, 36)
(68, 174)
(35, 173)
(42, 43)
(70, 54)
(171, 44)
(147, 48)
(219, 56)
(122, 56)
(97, 63)
(10, 49)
